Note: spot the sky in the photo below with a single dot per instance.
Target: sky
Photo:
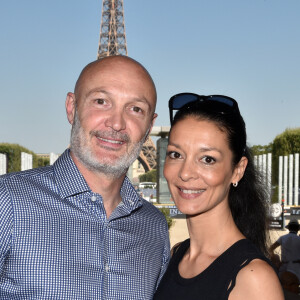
(248, 50)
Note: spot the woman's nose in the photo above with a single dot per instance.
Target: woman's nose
(188, 171)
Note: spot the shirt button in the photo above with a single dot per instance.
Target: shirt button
(93, 198)
(106, 268)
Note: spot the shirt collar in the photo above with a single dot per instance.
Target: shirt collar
(67, 176)
(71, 182)
(129, 196)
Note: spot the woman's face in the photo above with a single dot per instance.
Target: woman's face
(198, 166)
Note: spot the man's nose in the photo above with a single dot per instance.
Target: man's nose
(116, 120)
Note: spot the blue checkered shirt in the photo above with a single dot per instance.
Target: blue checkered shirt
(56, 242)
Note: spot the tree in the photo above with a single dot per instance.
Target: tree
(285, 143)
(259, 149)
(166, 213)
(148, 176)
(13, 153)
(43, 161)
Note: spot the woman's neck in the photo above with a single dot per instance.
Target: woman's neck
(212, 232)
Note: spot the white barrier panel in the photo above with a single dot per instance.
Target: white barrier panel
(26, 161)
(260, 163)
(288, 179)
(288, 176)
(264, 168)
(269, 172)
(263, 164)
(3, 164)
(255, 160)
(296, 185)
(291, 173)
(53, 158)
(280, 169)
(285, 179)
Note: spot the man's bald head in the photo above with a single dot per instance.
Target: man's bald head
(116, 63)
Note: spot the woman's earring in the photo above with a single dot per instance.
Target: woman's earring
(235, 184)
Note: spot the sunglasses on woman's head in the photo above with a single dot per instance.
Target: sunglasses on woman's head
(178, 101)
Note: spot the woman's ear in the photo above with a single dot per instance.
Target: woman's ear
(239, 170)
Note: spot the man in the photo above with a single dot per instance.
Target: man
(290, 249)
(78, 229)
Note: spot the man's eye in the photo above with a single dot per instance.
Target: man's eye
(208, 160)
(137, 109)
(100, 101)
(173, 155)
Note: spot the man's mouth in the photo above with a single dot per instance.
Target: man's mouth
(114, 139)
(111, 141)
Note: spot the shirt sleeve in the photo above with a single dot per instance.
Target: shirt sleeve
(279, 241)
(166, 255)
(6, 223)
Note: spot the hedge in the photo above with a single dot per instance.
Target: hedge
(13, 154)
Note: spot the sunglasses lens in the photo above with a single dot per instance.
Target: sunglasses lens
(215, 103)
(222, 99)
(180, 100)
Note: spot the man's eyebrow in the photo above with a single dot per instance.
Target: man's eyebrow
(143, 100)
(97, 90)
(103, 91)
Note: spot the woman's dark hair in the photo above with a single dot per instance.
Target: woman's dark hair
(247, 201)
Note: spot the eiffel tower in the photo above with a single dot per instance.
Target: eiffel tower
(113, 42)
(112, 33)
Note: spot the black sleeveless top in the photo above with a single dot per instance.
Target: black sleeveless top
(214, 283)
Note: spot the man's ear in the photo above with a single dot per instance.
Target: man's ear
(239, 170)
(153, 120)
(70, 107)
(152, 123)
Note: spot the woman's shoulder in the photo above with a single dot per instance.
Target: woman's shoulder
(257, 280)
(180, 245)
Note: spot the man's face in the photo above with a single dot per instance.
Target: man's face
(114, 112)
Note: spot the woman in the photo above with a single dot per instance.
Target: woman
(212, 180)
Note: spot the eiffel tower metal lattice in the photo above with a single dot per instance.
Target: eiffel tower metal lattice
(112, 33)
(149, 152)
(113, 42)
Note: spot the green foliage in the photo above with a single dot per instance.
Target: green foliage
(166, 213)
(13, 152)
(285, 143)
(43, 161)
(149, 176)
(259, 149)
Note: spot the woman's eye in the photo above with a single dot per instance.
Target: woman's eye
(173, 155)
(208, 160)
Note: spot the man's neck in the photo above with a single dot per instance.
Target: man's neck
(106, 186)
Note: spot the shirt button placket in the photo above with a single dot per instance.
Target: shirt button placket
(106, 267)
